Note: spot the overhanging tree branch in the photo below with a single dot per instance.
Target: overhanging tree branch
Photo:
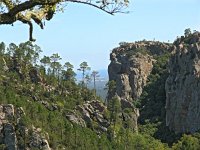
(27, 11)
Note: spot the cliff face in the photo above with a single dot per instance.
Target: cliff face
(130, 74)
(183, 84)
(131, 64)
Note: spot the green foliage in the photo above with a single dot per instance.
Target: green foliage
(110, 87)
(152, 101)
(187, 32)
(44, 62)
(94, 76)
(2, 48)
(2, 146)
(125, 139)
(114, 106)
(47, 102)
(187, 142)
(83, 68)
(141, 50)
(39, 103)
(148, 128)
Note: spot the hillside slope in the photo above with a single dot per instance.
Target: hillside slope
(152, 97)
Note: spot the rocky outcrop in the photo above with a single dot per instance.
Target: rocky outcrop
(12, 130)
(183, 84)
(36, 141)
(91, 114)
(7, 130)
(131, 64)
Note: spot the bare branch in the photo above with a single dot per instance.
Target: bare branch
(36, 10)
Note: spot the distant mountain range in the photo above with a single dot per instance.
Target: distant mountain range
(103, 74)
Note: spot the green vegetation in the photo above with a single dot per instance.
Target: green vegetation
(47, 91)
(152, 103)
(85, 77)
(187, 142)
(141, 50)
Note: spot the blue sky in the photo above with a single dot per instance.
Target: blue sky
(83, 33)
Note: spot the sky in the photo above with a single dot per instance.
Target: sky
(83, 33)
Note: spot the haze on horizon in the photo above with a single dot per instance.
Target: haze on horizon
(83, 33)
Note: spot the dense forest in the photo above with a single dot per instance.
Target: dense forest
(47, 92)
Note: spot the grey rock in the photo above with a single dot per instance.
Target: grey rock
(2, 114)
(85, 114)
(10, 139)
(98, 106)
(37, 141)
(126, 104)
(89, 113)
(102, 129)
(182, 87)
(130, 75)
(20, 112)
(5, 67)
(9, 111)
(130, 70)
(76, 119)
(130, 65)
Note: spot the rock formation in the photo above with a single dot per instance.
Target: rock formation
(183, 85)
(12, 130)
(91, 114)
(131, 64)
